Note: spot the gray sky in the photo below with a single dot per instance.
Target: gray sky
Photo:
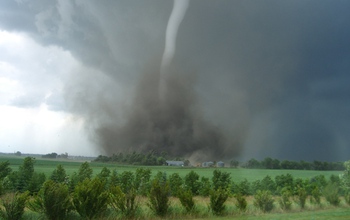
(271, 75)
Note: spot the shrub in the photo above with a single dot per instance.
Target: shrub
(175, 183)
(126, 181)
(331, 194)
(268, 184)
(217, 200)
(125, 202)
(142, 181)
(104, 174)
(4, 169)
(284, 201)
(186, 199)
(316, 196)
(347, 197)
(53, 201)
(221, 180)
(263, 200)
(73, 181)
(255, 186)
(59, 174)
(205, 186)
(90, 198)
(85, 172)
(244, 188)
(114, 179)
(301, 196)
(241, 202)
(192, 182)
(283, 181)
(36, 182)
(13, 206)
(159, 196)
(25, 174)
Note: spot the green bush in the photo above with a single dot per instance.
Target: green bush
(284, 181)
(159, 196)
(53, 201)
(124, 202)
(4, 169)
(13, 206)
(284, 201)
(347, 197)
(90, 199)
(186, 199)
(263, 200)
(85, 172)
(205, 186)
(243, 187)
(59, 174)
(217, 201)
(114, 179)
(36, 182)
(268, 184)
(25, 174)
(104, 174)
(192, 182)
(330, 192)
(2, 188)
(221, 180)
(175, 183)
(316, 196)
(301, 195)
(126, 181)
(142, 181)
(241, 203)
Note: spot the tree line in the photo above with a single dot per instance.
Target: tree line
(269, 163)
(151, 158)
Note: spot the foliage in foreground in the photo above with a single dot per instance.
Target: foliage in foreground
(159, 196)
(13, 206)
(124, 202)
(90, 199)
(241, 202)
(263, 200)
(53, 200)
(284, 201)
(186, 199)
(331, 194)
(217, 201)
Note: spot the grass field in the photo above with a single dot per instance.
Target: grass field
(46, 166)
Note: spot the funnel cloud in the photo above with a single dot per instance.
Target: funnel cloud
(173, 124)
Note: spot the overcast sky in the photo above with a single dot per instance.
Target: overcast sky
(273, 75)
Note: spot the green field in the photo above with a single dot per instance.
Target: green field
(46, 166)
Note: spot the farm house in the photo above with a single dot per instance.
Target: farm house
(220, 164)
(174, 163)
(208, 164)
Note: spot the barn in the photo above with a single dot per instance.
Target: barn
(174, 163)
(220, 164)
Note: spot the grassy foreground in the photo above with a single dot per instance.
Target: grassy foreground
(333, 213)
(311, 212)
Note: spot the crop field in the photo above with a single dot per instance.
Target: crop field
(46, 166)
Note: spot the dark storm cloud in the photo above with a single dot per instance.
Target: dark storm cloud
(271, 77)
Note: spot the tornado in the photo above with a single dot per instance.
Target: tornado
(175, 19)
